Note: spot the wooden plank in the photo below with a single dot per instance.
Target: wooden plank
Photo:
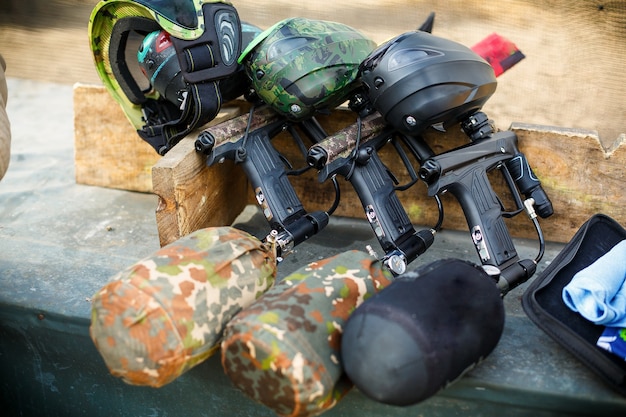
(108, 152)
(579, 175)
(192, 195)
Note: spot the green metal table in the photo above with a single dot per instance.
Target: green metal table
(60, 242)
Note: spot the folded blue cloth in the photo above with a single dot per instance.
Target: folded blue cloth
(598, 292)
(613, 339)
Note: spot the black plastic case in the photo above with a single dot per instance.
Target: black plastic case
(544, 305)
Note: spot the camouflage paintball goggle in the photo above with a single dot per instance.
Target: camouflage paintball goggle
(299, 65)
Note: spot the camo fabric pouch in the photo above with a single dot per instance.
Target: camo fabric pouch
(284, 350)
(162, 316)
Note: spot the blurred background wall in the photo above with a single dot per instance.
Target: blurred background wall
(573, 74)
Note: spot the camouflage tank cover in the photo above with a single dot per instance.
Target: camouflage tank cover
(283, 350)
(234, 129)
(157, 319)
(302, 65)
(339, 147)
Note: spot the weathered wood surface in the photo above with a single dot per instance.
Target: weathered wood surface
(192, 195)
(108, 152)
(580, 176)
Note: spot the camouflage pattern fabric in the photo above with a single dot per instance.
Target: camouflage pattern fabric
(341, 144)
(157, 319)
(232, 130)
(301, 65)
(283, 350)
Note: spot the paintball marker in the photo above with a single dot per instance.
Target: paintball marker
(291, 75)
(463, 172)
(340, 154)
(411, 83)
(247, 141)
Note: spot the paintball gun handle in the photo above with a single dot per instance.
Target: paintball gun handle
(266, 172)
(463, 172)
(477, 127)
(339, 154)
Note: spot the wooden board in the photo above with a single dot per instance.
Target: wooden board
(192, 195)
(580, 176)
(108, 152)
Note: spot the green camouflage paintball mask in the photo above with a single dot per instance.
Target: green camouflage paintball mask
(299, 65)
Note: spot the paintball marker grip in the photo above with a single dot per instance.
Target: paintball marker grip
(483, 212)
(266, 172)
(260, 161)
(463, 172)
(383, 209)
(529, 185)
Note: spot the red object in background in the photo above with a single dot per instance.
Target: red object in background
(498, 51)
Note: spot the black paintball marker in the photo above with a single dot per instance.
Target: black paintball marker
(359, 163)
(376, 186)
(246, 140)
(414, 82)
(297, 68)
(463, 172)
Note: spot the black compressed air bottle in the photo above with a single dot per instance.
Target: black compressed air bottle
(422, 332)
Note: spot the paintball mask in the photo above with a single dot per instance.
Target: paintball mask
(300, 66)
(169, 64)
(417, 80)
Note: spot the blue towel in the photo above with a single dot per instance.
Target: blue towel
(598, 292)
